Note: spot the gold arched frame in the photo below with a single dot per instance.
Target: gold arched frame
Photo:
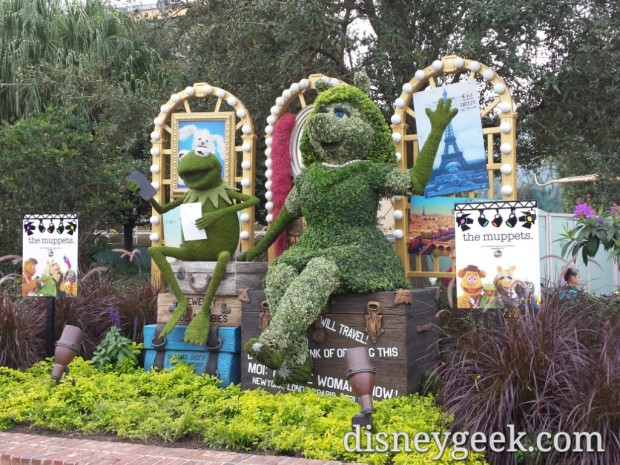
(505, 131)
(162, 163)
(296, 92)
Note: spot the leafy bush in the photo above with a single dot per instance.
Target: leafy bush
(116, 352)
(173, 405)
(552, 371)
(102, 299)
(21, 331)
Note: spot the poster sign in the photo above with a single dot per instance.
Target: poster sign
(50, 255)
(497, 263)
(460, 163)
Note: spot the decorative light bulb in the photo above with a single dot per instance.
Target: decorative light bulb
(474, 66)
(505, 148)
(505, 127)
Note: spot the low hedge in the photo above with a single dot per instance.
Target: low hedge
(176, 405)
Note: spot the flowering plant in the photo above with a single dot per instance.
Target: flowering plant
(591, 231)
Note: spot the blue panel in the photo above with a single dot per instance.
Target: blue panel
(229, 335)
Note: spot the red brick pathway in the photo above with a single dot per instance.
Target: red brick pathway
(30, 449)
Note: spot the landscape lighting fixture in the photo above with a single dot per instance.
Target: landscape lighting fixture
(67, 347)
(361, 377)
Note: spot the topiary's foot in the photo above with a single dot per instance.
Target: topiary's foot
(197, 331)
(299, 374)
(264, 353)
(175, 317)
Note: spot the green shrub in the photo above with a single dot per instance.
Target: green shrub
(177, 404)
(116, 352)
(555, 370)
(103, 300)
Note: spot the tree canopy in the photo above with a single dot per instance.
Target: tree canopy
(558, 58)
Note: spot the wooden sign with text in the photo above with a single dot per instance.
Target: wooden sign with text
(400, 338)
(225, 310)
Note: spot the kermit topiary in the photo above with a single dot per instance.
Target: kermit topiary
(200, 172)
(348, 151)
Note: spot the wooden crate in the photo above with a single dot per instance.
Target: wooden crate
(228, 355)
(193, 277)
(402, 346)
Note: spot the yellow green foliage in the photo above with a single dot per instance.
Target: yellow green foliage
(177, 404)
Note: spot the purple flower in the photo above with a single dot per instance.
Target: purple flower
(114, 316)
(583, 210)
(613, 209)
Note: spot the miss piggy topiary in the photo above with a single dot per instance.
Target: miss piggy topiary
(348, 151)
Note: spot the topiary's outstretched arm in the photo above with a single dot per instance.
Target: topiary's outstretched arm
(211, 217)
(440, 118)
(277, 227)
(134, 187)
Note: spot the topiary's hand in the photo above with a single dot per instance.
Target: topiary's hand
(443, 114)
(207, 219)
(133, 186)
(248, 256)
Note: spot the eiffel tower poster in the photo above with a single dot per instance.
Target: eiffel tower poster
(460, 164)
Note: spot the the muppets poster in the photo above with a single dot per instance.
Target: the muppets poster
(50, 255)
(497, 263)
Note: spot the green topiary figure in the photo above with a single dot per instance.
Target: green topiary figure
(200, 172)
(348, 151)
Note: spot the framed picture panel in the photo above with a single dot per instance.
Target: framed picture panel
(214, 132)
